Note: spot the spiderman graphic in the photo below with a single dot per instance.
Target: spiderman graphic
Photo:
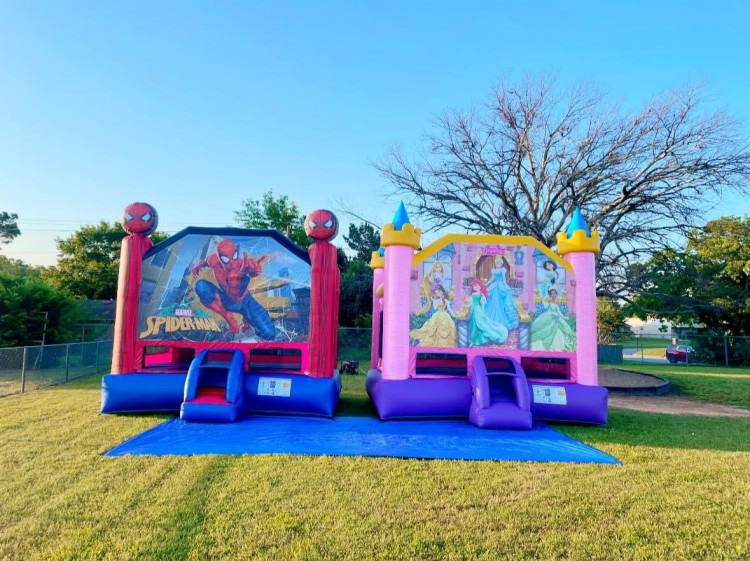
(229, 294)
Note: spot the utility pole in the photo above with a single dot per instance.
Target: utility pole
(44, 330)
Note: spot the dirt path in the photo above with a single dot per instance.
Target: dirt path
(673, 405)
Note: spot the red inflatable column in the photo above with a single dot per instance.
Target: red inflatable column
(139, 220)
(322, 226)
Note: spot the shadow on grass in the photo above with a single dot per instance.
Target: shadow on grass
(636, 428)
(354, 401)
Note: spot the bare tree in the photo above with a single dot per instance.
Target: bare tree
(521, 163)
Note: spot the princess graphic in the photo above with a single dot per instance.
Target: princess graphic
(549, 277)
(434, 277)
(550, 330)
(439, 330)
(482, 328)
(501, 307)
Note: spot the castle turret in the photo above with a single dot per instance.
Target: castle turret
(399, 239)
(579, 245)
(377, 264)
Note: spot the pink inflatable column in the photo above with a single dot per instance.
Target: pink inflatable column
(376, 264)
(399, 239)
(579, 245)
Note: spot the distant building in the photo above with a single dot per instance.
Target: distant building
(662, 328)
(651, 327)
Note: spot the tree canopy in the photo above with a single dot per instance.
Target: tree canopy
(356, 276)
(274, 213)
(18, 268)
(708, 282)
(362, 239)
(29, 307)
(521, 162)
(89, 260)
(8, 227)
(610, 321)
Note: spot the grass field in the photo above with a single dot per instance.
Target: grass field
(647, 346)
(707, 383)
(645, 343)
(683, 492)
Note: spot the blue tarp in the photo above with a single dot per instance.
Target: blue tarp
(359, 436)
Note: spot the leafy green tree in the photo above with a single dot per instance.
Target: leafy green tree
(17, 268)
(610, 320)
(708, 282)
(8, 227)
(363, 239)
(355, 306)
(356, 276)
(27, 303)
(274, 213)
(89, 260)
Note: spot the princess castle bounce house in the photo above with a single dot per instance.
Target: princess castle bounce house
(219, 322)
(499, 329)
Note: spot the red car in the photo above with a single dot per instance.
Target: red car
(680, 353)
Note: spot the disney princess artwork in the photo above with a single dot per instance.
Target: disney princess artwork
(550, 330)
(548, 277)
(439, 330)
(482, 328)
(434, 277)
(501, 307)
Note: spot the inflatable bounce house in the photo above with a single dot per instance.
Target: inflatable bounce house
(499, 329)
(214, 323)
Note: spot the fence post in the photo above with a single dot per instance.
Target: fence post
(67, 362)
(726, 351)
(96, 359)
(23, 371)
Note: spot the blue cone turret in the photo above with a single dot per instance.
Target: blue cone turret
(400, 218)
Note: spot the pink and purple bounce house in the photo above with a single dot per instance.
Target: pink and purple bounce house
(499, 329)
(215, 323)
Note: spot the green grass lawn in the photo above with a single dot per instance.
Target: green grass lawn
(647, 346)
(645, 343)
(683, 492)
(707, 383)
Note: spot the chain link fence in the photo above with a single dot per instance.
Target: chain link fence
(24, 369)
(713, 350)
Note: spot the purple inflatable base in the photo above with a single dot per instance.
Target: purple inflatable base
(577, 403)
(451, 397)
(415, 398)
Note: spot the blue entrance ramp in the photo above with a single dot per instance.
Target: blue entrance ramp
(213, 387)
(360, 436)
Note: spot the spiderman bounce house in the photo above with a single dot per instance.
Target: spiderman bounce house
(215, 323)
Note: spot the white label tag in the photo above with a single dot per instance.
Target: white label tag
(277, 387)
(554, 395)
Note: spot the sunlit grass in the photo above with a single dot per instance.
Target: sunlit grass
(683, 492)
(707, 383)
(645, 343)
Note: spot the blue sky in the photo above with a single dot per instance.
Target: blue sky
(195, 106)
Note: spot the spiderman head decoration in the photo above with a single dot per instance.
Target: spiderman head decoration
(228, 254)
(140, 218)
(321, 225)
